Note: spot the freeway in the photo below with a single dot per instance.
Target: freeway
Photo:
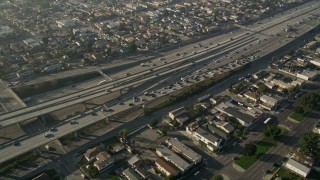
(144, 71)
(64, 128)
(46, 110)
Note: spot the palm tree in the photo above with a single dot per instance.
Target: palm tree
(123, 133)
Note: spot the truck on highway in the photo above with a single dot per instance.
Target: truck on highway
(27, 99)
(202, 98)
(102, 82)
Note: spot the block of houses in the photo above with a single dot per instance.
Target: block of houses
(92, 153)
(297, 168)
(103, 161)
(166, 167)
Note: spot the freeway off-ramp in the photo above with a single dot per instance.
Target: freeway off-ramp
(30, 143)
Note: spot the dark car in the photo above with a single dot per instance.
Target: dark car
(16, 143)
(53, 129)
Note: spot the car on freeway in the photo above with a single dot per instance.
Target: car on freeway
(47, 135)
(53, 129)
(93, 113)
(73, 122)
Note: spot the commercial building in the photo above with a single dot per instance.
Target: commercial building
(184, 150)
(166, 168)
(245, 117)
(170, 156)
(297, 168)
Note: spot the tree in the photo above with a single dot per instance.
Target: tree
(124, 133)
(272, 132)
(132, 46)
(237, 133)
(262, 89)
(199, 110)
(250, 149)
(109, 51)
(163, 131)
(153, 122)
(310, 100)
(310, 144)
(217, 177)
(298, 109)
(45, 40)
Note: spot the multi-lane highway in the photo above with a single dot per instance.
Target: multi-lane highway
(215, 51)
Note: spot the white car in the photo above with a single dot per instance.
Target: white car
(197, 173)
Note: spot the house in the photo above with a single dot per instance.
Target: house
(311, 45)
(130, 174)
(24, 73)
(64, 23)
(31, 43)
(259, 74)
(252, 96)
(135, 161)
(225, 126)
(180, 115)
(297, 168)
(170, 156)
(166, 168)
(212, 141)
(316, 61)
(307, 75)
(173, 114)
(268, 102)
(218, 131)
(91, 153)
(103, 161)
(184, 150)
(142, 172)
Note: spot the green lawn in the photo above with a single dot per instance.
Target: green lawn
(112, 142)
(262, 147)
(299, 117)
(285, 174)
